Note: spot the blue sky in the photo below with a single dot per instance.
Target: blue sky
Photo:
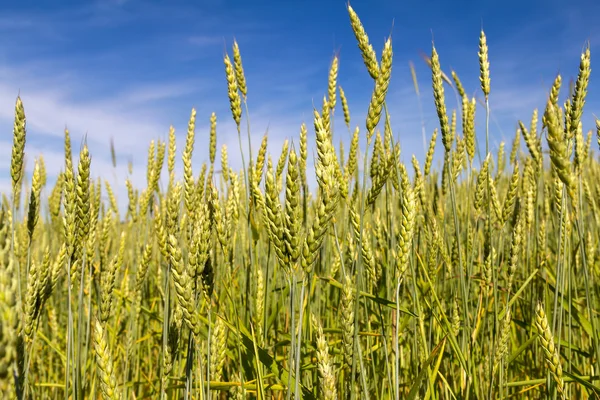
(128, 69)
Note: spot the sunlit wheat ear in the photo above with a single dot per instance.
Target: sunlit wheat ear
(239, 70)
(109, 277)
(440, 104)
(327, 383)
(430, 152)
(213, 138)
(553, 99)
(10, 318)
(453, 127)
(142, 271)
(18, 148)
(259, 304)
(366, 250)
(150, 162)
(33, 211)
(481, 184)
(292, 215)
(580, 150)
(186, 158)
(351, 164)
(39, 175)
(183, 284)
(281, 164)
(484, 65)
(171, 151)
(347, 322)
(326, 114)
(376, 157)
(580, 90)
(55, 200)
(104, 360)
(304, 151)
(550, 353)
(456, 322)
(503, 344)
(515, 250)
(533, 145)
(69, 221)
(407, 225)
(272, 213)
(511, 194)
(366, 49)
(345, 107)
(381, 86)
(459, 158)
(515, 147)
(468, 123)
(495, 199)
(32, 298)
(459, 87)
(332, 83)
(233, 93)
(218, 349)
(260, 160)
(559, 153)
(225, 164)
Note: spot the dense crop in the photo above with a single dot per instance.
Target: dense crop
(478, 280)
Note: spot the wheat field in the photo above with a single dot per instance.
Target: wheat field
(473, 278)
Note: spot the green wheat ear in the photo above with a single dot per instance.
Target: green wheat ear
(18, 148)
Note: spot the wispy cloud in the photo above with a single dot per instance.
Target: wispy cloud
(129, 69)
